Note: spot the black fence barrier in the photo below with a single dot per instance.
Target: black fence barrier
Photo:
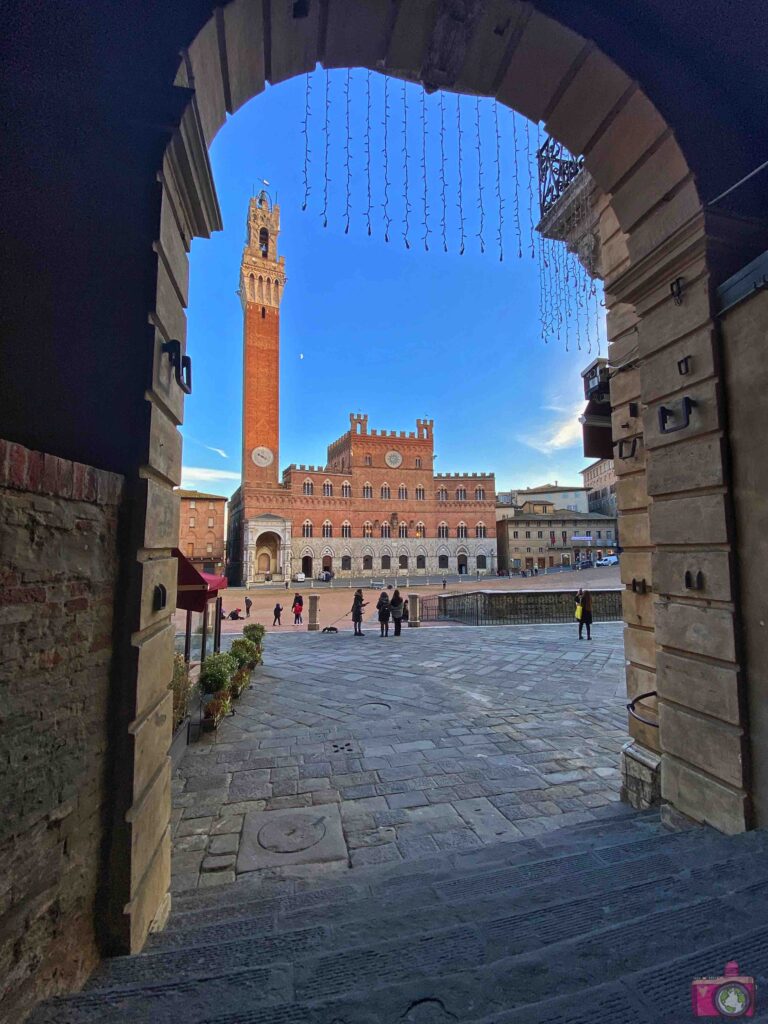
(502, 608)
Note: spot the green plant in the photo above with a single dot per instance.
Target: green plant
(216, 673)
(238, 682)
(245, 652)
(181, 686)
(254, 631)
(216, 708)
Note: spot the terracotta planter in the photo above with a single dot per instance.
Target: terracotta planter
(209, 724)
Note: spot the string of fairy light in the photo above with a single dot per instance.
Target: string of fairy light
(485, 152)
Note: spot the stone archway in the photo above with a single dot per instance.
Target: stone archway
(652, 230)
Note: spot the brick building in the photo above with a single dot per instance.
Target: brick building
(600, 481)
(202, 530)
(376, 506)
(539, 534)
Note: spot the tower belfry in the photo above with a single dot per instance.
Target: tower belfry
(262, 279)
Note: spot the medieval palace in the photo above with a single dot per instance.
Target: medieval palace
(376, 507)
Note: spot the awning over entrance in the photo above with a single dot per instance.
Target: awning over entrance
(194, 588)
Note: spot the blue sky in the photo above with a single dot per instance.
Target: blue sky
(373, 326)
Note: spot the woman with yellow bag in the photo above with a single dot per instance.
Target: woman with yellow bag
(584, 613)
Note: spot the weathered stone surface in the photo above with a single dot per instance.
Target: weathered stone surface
(292, 836)
(716, 747)
(703, 798)
(687, 627)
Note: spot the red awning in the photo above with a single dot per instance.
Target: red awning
(193, 588)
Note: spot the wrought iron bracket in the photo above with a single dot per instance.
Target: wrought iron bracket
(181, 365)
(685, 416)
(631, 708)
(623, 453)
(676, 290)
(639, 586)
(684, 366)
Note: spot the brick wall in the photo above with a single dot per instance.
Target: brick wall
(58, 569)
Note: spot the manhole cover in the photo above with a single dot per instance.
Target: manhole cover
(373, 708)
(291, 834)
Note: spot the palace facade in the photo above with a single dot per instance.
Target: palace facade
(376, 507)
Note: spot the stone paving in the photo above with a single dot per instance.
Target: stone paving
(378, 750)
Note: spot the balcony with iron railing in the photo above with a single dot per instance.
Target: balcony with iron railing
(566, 202)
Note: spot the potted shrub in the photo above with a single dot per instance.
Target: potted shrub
(214, 711)
(246, 653)
(216, 673)
(254, 632)
(181, 686)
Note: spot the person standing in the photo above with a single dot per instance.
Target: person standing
(586, 614)
(444, 583)
(357, 612)
(248, 606)
(277, 612)
(382, 606)
(405, 610)
(297, 609)
(396, 608)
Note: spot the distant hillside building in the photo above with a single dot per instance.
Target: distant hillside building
(537, 534)
(600, 481)
(375, 507)
(202, 530)
(574, 499)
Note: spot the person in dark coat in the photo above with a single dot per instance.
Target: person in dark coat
(405, 610)
(277, 612)
(382, 606)
(357, 612)
(586, 614)
(248, 605)
(396, 609)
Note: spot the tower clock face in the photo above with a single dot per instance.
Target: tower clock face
(393, 459)
(262, 457)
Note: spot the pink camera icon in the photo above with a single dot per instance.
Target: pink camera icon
(732, 995)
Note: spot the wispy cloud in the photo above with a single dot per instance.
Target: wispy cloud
(202, 444)
(563, 431)
(219, 451)
(203, 475)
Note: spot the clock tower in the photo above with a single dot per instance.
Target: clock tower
(262, 279)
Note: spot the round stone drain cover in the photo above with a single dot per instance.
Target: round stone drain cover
(291, 834)
(373, 708)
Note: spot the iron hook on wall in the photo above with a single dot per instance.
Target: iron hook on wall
(631, 708)
(676, 289)
(181, 365)
(686, 406)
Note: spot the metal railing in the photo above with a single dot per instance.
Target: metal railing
(490, 608)
(557, 170)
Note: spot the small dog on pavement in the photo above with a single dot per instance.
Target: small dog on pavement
(330, 629)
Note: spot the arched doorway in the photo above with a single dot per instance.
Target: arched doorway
(306, 566)
(327, 563)
(267, 554)
(462, 563)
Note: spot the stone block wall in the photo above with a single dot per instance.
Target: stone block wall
(58, 573)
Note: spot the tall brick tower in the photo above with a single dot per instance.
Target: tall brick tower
(262, 279)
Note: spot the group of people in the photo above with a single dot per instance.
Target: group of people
(394, 608)
(297, 608)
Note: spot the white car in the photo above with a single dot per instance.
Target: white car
(299, 577)
(608, 560)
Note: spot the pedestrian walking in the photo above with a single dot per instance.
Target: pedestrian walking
(396, 608)
(405, 610)
(444, 583)
(248, 606)
(382, 606)
(277, 611)
(357, 612)
(297, 609)
(584, 613)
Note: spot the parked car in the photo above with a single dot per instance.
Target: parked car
(299, 577)
(608, 560)
(585, 563)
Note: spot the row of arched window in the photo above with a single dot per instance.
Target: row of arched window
(385, 530)
(263, 290)
(386, 491)
(403, 562)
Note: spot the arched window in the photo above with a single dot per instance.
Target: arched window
(309, 487)
(403, 561)
(386, 562)
(418, 462)
(402, 493)
(252, 288)
(402, 530)
(346, 563)
(368, 460)
(327, 489)
(442, 494)
(367, 562)
(421, 530)
(276, 293)
(261, 288)
(421, 561)
(385, 531)
(442, 531)
(419, 493)
(346, 489)
(385, 492)
(442, 561)
(367, 491)
(306, 528)
(480, 530)
(461, 531)
(461, 494)
(346, 529)
(327, 528)
(479, 494)
(367, 529)
(264, 243)
(482, 562)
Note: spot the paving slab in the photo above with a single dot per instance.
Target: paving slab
(284, 838)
